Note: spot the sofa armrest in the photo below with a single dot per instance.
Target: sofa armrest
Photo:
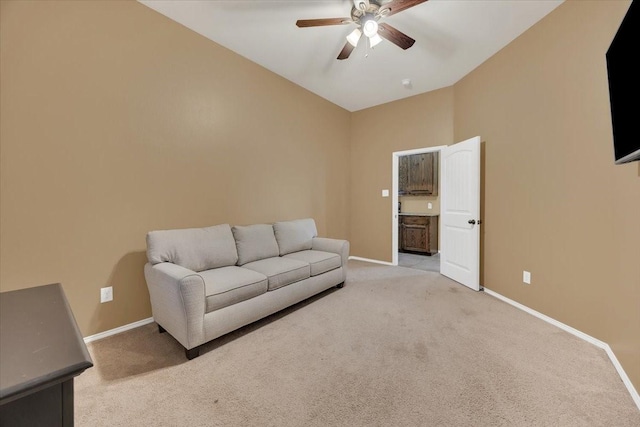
(177, 301)
(336, 246)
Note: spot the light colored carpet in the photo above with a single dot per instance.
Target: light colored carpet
(394, 347)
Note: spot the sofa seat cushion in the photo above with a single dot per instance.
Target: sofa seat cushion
(229, 285)
(281, 271)
(319, 261)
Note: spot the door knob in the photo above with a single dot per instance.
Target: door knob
(472, 221)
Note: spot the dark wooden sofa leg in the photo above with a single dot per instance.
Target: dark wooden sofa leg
(340, 286)
(192, 353)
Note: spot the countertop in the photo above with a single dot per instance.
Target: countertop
(417, 214)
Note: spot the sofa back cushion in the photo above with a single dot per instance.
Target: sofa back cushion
(197, 249)
(254, 242)
(295, 235)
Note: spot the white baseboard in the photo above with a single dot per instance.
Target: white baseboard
(603, 345)
(375, 261)
(115, 331)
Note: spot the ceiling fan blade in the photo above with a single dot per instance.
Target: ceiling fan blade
(397, 6)
(346, 51)
(395, 36)
(302, 23)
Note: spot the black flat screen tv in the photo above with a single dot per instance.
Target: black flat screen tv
(623, 73)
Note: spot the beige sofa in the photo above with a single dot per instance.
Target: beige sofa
(207, 282)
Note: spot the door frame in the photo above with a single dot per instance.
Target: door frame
(395, 158)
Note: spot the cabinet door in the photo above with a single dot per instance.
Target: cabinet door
(415, 238)
(422, 174)
(432, 246)
(415, 234)
(403, 174)
(432, 174)
(416, 172)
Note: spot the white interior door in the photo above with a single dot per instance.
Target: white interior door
(460, 212)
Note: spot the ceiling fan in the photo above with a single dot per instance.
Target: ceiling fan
(366, 14)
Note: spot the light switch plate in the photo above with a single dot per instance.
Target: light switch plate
(385, 193)
(526, 277)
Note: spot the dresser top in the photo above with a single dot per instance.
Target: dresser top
(40, 343)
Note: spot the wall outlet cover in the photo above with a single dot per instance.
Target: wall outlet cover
(106, 294)
(526, 277)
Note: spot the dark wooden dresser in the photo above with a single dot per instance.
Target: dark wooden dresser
(41, 351)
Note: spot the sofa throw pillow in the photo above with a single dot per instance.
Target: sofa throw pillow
(254, 242)
(295, 235)
(197, 249)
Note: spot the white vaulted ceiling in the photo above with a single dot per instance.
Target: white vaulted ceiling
(453, 37)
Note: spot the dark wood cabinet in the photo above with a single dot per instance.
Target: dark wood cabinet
(418, 174)
(403, 174)
(418, 233)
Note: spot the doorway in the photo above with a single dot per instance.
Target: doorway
(416, 203)
(458, 223)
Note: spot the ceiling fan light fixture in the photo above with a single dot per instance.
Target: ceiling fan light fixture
(374, 40)
(361, 4)
(354, 37)
(370, 28)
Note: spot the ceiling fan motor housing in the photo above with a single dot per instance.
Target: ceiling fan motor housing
(371, 11)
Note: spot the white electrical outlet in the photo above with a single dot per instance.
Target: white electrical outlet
(385, 193)
(429, 205)
(526, 277)
(106, 294)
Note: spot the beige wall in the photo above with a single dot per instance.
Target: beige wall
(420, 204)
(555, 204)
(116, 120)
(424, 120)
